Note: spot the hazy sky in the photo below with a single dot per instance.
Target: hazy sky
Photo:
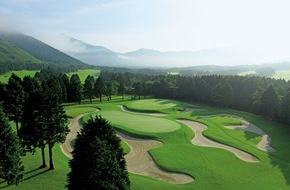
(126, 25)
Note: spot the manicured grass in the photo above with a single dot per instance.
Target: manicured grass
(284, 74)
(5, 77)
(84, 73)
(247, 73)
(212, 168)
(139, 123)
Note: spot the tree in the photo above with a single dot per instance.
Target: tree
(269, 102)
(33, 124)
(89, 87)
(14, 101)
(11, 168)
(122, 89)
(44, 122)
(75, 88)
(284, 109)
(99, 88)
(98, 160)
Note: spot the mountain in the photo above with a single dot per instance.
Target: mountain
(12, 54)
(41, 50)
(94, 55)
(101, 56)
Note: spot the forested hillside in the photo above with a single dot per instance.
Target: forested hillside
(41, 51)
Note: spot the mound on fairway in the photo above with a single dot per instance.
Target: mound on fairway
(143, 113)
(139, 161)
(153, 105)
(200, 140)
(264, 144)
(140, 123)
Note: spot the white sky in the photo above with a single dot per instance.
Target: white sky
(163, 25)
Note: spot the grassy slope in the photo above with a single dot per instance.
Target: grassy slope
(283, 74)
(5, 77)
(212, 168)
(10, 53)
(84, 73)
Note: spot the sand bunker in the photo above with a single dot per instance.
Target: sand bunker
(201, 140)
(139, 161)
(143, 113)
(264, 144)
(74, 128)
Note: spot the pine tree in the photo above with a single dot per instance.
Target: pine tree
(75, 88)
(89, 87)
(11, 168)
(98, 160)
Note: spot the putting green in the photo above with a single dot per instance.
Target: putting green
(152, 104)
(140, 123)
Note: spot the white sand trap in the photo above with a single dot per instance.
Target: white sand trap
(264, 144)
(201, 140)
(142, 113)
(139, 161)
(74, 128)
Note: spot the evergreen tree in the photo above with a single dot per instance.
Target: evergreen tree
(99, 88)
(11, 168)
(269, 102)
(14, 101)
(98, 159)
(122, 89)
(284, 109)
(89, 87)
(75, 88)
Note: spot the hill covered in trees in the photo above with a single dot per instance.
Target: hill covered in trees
(17, 49)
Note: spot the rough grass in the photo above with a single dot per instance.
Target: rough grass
(212, 168)
(84, 73)
(5, 77)
(282, 74)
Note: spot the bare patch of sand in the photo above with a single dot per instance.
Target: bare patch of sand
(187, 110)
(142, 113)
(201, 140)
(74, 128)
(264, 144)
(139, 161)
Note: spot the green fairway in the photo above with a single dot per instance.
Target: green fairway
(212, 168)
(139, 123)
(5, 77)
(284, 74)
(84, 73)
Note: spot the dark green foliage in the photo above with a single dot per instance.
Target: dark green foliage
(14, 101)
(44, 121)
(99, 88)
(89, 87)
(11, 168)
(269, 102)
(122, 89)
(98, 159)
(284, 109)
(75, 89)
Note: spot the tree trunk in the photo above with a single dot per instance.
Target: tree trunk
(43, 157)
(122, 96)
(51, 167)
(100, 97)
(17, 128)
(91, 99)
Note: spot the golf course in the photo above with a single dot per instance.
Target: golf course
(175, 145)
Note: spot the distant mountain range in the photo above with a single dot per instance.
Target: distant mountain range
(101, 56)
(19, 50)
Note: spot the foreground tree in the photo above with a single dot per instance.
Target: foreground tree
(98, 160)
(14, 101)
(75, 88)
(44, 122)
(89, 87)
(11, 168)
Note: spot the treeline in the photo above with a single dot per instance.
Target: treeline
(259, 95)
(36, 105)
